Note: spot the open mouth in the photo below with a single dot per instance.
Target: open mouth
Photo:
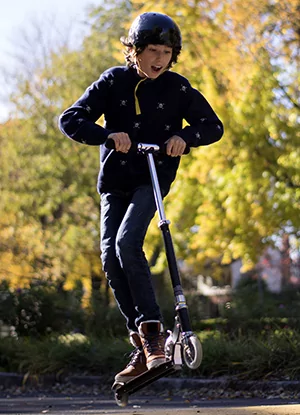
(156, 68)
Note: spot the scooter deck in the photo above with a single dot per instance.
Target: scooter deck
(146, 378)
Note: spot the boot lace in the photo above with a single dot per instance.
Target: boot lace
(135, 356)
(154, 343)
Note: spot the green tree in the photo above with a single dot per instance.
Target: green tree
(49, 182)
(229, 199)
(233, 197)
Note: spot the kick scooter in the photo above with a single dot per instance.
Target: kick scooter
(182, 345)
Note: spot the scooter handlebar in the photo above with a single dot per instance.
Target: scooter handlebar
(143, 147)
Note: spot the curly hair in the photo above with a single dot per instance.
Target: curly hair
(131, 51)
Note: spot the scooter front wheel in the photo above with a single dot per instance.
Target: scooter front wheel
(192, 352)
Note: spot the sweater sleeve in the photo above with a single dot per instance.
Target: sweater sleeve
(79, 121)
(204, 126)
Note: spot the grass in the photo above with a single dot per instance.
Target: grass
(272, 355)
(72, 353)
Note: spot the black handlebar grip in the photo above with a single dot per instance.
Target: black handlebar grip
(110, 144)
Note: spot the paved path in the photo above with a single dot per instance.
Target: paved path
(77, 405)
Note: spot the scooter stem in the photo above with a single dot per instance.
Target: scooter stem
(156, 189)
(181, 306)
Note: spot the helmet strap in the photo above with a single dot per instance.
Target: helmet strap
(140, 69)
(137, 63)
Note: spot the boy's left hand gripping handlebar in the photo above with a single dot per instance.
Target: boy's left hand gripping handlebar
(140, 147)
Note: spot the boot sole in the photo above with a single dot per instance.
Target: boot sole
(156, 362)
(125, 379)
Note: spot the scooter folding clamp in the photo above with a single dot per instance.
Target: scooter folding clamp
(162, 223)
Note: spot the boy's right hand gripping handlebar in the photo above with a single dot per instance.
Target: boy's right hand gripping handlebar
(143, 147)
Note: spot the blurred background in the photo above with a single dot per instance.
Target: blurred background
(234, 208)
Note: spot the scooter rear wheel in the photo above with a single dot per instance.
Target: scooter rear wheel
(192, 352)
(121, 398)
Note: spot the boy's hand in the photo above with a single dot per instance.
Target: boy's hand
(175, 146)
(122, 141)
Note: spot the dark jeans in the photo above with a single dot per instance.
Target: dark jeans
(125, 218)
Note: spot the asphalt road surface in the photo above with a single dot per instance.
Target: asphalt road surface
(87, 405)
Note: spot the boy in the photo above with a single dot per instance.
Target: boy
(142, 102)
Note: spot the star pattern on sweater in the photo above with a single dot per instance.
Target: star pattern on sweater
(123, 162)
(161, 106)
(123, 103)
(110, 82)
(137, 125)
(198, 135)
(167, 127)
(183, 88)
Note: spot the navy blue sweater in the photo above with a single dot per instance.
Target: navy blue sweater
(149, 111)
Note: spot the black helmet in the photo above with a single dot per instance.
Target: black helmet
(156, 29)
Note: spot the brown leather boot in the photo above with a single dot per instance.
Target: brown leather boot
(153, 340)
(137, 364)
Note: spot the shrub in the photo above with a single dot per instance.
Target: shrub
(41, 308)
(273, 356)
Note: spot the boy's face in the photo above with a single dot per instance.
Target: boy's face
(153, 60)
